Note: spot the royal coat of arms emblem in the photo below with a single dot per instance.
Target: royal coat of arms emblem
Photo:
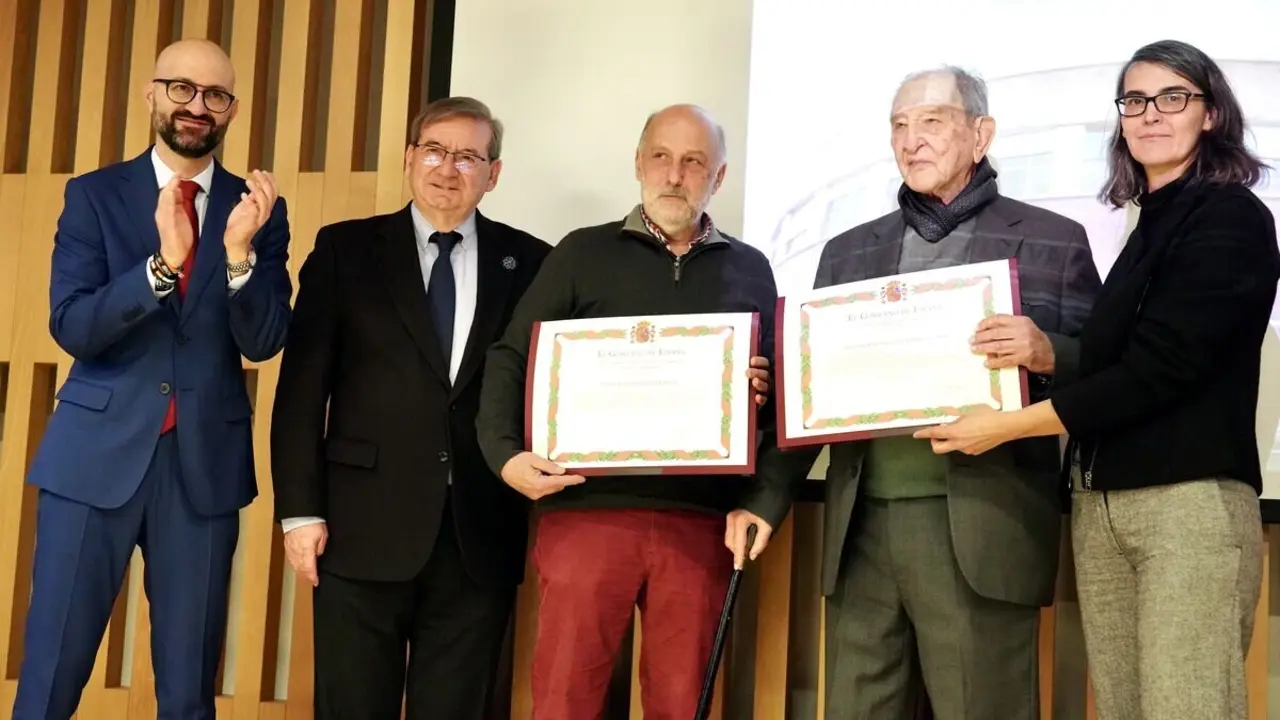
(642, 332)
(894, 291)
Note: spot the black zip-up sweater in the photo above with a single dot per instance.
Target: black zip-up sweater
(1171, 354)
(620, 269)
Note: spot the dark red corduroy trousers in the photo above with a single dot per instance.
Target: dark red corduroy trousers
(594, 568)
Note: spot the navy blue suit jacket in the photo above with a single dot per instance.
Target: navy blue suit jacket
(131, 350)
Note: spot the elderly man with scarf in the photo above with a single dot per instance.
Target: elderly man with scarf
(935, 566)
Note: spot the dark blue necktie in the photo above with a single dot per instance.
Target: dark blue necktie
(441, 291)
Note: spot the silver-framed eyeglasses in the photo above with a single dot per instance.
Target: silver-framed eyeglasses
(1167, 103)
(433, 156)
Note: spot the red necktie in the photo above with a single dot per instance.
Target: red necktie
(189, 190)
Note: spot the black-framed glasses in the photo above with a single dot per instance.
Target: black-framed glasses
(1167, 103)
(433, 156)
(183, 92)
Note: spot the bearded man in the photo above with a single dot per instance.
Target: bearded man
(605, 546)
(167, 272)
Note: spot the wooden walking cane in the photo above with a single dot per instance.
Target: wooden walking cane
(713, 665)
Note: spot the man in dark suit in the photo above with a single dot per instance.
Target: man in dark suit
(166, 271)
(938, 565)
(388, 508)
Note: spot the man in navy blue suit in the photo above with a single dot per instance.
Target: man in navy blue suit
(166, 271)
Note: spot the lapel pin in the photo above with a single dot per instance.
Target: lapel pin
(509, 262)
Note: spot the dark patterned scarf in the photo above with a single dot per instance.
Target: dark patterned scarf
(933, 220)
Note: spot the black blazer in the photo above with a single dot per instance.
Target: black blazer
(377, 470)
(1171, 354)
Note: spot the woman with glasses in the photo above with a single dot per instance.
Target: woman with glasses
(1162, 455)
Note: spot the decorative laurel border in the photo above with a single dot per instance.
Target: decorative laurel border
(806, 367)
(726, 400)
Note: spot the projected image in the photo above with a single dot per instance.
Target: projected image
(1053, 162)
(1052, 126)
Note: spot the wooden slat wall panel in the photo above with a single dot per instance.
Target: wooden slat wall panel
(57, 20)
(8, 56)
(12, 188)
(152, 30)
(318, 93)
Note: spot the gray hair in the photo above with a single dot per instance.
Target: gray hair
(458, 106)
(972, 89)
(721, 146)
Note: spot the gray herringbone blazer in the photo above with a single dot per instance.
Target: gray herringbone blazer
(1005, 505)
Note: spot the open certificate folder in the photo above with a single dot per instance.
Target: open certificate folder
(657, 394)
(890, 355)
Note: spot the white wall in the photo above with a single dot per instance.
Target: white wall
(574, 80)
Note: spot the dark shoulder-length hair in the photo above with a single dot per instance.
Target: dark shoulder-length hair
(1221, 155)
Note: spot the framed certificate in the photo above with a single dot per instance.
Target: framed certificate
(890, 355)
(657, 394)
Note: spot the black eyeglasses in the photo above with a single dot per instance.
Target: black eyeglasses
(1167, 103)
(183, 92)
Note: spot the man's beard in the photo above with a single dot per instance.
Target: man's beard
(186, 144)
(673, 219)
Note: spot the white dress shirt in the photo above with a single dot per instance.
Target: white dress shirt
(205, 180)
(465, 260)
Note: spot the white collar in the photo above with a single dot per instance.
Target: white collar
(204, 179)
(423, 228)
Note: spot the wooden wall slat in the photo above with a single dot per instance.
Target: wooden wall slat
(398, 73)
(250, 45)
(343, 121)
(773, 627)
(66, 91)
(12, 190)
(294, 129)
(257, 600)
(1048, 635)
(33, 371)
(259, 594)
(202, 19)
(57, 17)
(1257, 665)
(36, 411)
(12, 466)
(298, 703)
(525, 634)
(98, 76)
(12, 50)
(142, 688)
(26, 404)
(152, 30)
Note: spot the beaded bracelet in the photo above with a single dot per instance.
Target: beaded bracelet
(165, 277)
(162, 268)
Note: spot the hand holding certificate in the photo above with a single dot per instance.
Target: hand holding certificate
(646, 394)
(889, 355)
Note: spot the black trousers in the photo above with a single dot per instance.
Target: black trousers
(432, 642)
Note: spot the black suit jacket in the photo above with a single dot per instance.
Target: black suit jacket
(377, 470)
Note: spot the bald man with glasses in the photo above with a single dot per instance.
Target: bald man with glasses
(411, 543)
(168, 271)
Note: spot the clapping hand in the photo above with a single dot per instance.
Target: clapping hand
(176, 236)
(249, 215)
